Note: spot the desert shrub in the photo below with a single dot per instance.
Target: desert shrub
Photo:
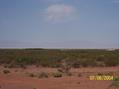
(88, 62)
(69, 74)
(65, 72)
(34, 88)
(50, 62)
(100, 58)
(57, 74)
(5, 66)
(12, 65)
(115, 83)
(100, 74)
(60, 70)
(43, 75)
(100, 64)
(111, 60)
(76, 65)
(78, 82)
(32, 75)
(116, 79)
(23, 66)
(24, 61)
(6, 71)
(79, 75)
(65, 67)
(109, 73)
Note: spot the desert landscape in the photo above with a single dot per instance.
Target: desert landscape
(18, 72)
(59, 44)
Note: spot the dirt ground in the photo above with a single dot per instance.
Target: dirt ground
(19, 78)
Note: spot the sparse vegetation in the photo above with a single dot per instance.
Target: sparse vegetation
(43, 75)
(75, 58)
(100, 74)
(69, 74)
(115, 83)
(6, 71)
(57, 74)
(116, 79)
(106, 74)
(32, 75)
(34, 88)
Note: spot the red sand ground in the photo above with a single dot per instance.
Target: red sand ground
(20, 79)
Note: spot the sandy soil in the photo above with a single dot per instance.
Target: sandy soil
(19, 79)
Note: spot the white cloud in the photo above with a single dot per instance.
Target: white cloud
(60, 12)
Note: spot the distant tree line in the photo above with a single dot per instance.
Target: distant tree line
(53, 57)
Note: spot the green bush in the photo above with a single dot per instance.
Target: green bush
(116, 79)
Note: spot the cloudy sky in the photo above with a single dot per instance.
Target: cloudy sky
(59, 23)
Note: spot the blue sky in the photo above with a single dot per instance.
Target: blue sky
(59, 23)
